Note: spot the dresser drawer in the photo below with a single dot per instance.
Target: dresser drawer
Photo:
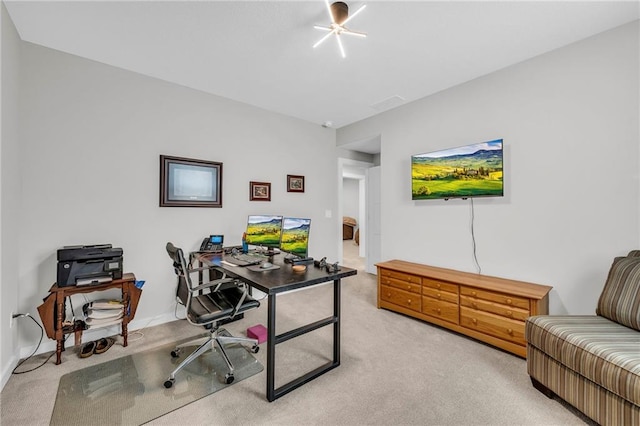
(386, 273)
(505, 299)
(494, 325)
(402, 285)
(439, 309)
(440, 285)
(440, 294)
(400, 297)
(495, 308)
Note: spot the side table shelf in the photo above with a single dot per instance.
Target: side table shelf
(52, 311)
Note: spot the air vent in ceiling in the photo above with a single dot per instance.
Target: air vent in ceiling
(388, 103)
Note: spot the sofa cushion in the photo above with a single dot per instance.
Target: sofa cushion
(596, 348)
(620, 298)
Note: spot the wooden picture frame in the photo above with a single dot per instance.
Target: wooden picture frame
(295, 183)
(259, 191)
(187, 182)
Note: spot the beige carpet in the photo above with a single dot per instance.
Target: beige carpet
(395, 370)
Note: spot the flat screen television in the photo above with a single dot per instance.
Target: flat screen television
(264, 231)
(463, 172)
(295, 236)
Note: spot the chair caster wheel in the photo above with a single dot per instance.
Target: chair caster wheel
(175, 353)
(168, 383)
(228, 378)
(255, 349)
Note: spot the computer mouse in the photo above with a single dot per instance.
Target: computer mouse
(266, 265)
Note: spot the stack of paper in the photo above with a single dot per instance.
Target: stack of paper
(101, 313)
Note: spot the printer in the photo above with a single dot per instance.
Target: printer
(86, 265)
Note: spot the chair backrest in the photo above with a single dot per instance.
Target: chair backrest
(209, 302)
(181, 269)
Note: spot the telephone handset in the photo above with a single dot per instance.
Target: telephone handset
(212, 243)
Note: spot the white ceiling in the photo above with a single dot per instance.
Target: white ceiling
(261, 52)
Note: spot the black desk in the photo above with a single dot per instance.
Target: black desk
(282, 280)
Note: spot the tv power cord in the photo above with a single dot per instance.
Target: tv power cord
(15, 316)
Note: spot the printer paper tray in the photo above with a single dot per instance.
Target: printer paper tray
(93, 281)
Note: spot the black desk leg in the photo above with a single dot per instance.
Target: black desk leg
(271, 347)
(336, 325)
(273, 340)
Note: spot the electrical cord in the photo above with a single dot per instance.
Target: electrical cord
(139, 332)
(34, 351)
(473, 239)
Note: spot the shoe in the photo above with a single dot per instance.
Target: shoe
(102, 345)
(87, 349)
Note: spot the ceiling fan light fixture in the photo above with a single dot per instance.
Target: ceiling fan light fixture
(339, 15)
(339, 12)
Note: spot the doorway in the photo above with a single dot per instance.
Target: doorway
(358, 209)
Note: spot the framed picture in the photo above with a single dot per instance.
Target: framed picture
(259, 191)
(295, 183)
(185, 182)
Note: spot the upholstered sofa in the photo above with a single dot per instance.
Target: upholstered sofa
(593, 362)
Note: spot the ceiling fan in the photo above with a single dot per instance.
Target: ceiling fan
(339, 15)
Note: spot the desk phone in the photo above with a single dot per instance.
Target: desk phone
(213, 243)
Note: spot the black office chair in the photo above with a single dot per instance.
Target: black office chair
(207, 305)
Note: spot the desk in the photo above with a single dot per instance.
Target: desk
(52, 310)
(282, 280)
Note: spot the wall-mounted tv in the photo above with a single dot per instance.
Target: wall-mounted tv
(463, 172)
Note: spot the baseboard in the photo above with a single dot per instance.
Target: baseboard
(6, 373)
(49, 345)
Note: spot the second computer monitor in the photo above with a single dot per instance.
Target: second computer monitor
(264, 231)
(295, 236)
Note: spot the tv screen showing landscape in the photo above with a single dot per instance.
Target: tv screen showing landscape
(295, 236)
(264, 230)
(462, 172)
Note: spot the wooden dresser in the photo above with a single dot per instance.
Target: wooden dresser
(490, 309)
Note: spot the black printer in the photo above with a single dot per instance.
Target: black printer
(85, 265)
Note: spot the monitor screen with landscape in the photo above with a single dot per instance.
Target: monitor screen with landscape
(295, 236)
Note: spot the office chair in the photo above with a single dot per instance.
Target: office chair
(207, 305)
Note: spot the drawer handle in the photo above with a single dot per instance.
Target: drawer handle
(473, 293)
(408, 287)
(438, 286)
(438, 310)
(475, 321)
(438, 295)
(474, 304)
(509, 313)
(509, 301)
(388, 294)
(510, 331)
(409, 301)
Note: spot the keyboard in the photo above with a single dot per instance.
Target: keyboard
(244, 259)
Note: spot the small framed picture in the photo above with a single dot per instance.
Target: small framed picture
(295, 183)
(259, 191)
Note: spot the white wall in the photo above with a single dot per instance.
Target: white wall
(9, 195)
(91, 136)
(570, 125)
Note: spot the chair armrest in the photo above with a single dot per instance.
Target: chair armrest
(215, 283)
(202, 268)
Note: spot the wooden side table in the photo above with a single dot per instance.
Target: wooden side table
(52, 311)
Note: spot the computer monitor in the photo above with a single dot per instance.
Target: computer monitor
(264, 231)
(295, 236)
